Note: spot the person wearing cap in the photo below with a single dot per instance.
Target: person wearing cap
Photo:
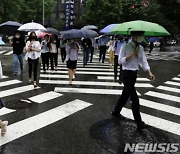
(18, 44)
(132, 56)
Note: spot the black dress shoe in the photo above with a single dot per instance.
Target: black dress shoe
(118, 115)
(141, 126)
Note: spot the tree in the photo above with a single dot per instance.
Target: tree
(170, 10)
(10, 10)
(105, 12)
(101, 12)
(32, 10)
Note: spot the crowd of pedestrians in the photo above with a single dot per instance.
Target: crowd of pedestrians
(125, 54)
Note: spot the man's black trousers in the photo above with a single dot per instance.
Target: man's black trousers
(129, 91)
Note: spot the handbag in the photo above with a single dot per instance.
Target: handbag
(1, 104)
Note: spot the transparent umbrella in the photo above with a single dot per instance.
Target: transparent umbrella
(32, 26)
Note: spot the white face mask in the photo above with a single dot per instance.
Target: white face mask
(140, 39)
(17, 36)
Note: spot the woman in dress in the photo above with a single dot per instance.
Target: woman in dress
(33, 48)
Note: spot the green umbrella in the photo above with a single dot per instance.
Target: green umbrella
(151, 29)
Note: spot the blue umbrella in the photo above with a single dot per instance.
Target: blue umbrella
(89, 33)
(108, 28)
(73, 33)
(9, 27)
(153, 39)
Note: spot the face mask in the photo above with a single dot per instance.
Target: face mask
(17, 36)
(140, 39)
(34, 37)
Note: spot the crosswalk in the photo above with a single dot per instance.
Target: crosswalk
(40, 120)
(6, 51)
(102, 81)
(162, 99)
(165, 56)
(160, 106)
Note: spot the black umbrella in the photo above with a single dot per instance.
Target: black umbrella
(9, 27)
(52, 31)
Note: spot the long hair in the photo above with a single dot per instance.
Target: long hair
(31, 38)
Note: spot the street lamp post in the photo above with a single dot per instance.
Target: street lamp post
(43, 12)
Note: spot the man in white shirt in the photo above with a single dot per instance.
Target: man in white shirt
(132, 56)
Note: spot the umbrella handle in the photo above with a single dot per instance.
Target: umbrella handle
(128, 30)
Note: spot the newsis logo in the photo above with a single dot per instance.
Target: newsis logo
(151, 147)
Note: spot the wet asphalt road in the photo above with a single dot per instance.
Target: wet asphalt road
(90, 129)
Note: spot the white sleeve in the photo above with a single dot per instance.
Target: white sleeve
(122, 56)
(27, 44)
(143, 61)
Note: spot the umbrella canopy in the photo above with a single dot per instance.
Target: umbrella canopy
(108, 28)
(89, 27)
(41, 34)
(52, 31)
(9, 27)
(153, 39)
(73, 33)
(89, 34)
(151, 29)
(32, 26)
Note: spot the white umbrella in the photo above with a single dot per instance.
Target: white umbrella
(89, 27)
(32, 26)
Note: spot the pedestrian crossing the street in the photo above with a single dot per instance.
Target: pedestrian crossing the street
(162, 101)
(157, 99)
(102, 74)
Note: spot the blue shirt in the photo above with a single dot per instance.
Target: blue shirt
(103, 41)
(118, 46)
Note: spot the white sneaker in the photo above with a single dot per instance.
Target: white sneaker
(4, 127)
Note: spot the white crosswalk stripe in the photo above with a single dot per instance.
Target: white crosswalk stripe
(93, 83)
(90, 91)
(10, 82)
(9, 53)
(17, 90)
(164, 56)
(41, 120)
(45, 97)
(162, 124)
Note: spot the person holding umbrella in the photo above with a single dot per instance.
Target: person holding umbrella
(86, 44)
(33, 48)
(72, 49)
(53, 53)
(45, 52)
(131, 56)
(18, 44)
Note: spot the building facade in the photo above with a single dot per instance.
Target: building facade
(59, 13)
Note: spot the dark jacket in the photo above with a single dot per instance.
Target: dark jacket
(18, 45)
(86, 43)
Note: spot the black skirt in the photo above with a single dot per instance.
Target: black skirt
(72, 64)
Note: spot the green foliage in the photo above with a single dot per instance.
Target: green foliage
(59, 24)
(10, 10)
(105, 12)
(25, 10)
